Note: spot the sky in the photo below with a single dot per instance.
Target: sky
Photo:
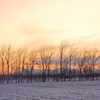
(36, 22)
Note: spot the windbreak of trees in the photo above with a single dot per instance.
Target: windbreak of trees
(68, 62)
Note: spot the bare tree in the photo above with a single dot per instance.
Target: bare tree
(93, 59)
(32, 62)
(9, 52)
(81, 61)
(23, 62)
(51, 51)
(2, 62)
(62, 55)
(71, 56)
(21, 56)
(46, 52)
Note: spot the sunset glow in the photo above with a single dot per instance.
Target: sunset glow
(35, 22)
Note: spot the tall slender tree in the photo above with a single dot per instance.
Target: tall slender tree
(62, 55)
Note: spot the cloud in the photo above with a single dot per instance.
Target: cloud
(87, 41)
(94, 21)
(39, 35)
(88, 37)
(30, 29)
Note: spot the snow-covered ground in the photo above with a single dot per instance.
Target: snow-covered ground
(85, 90)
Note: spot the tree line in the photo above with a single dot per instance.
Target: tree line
(69, 62)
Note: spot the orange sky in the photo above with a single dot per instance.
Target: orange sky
(36, 22)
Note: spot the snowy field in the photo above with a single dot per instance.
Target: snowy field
(51, 91)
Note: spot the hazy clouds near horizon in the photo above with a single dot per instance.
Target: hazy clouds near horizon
(36, 22)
